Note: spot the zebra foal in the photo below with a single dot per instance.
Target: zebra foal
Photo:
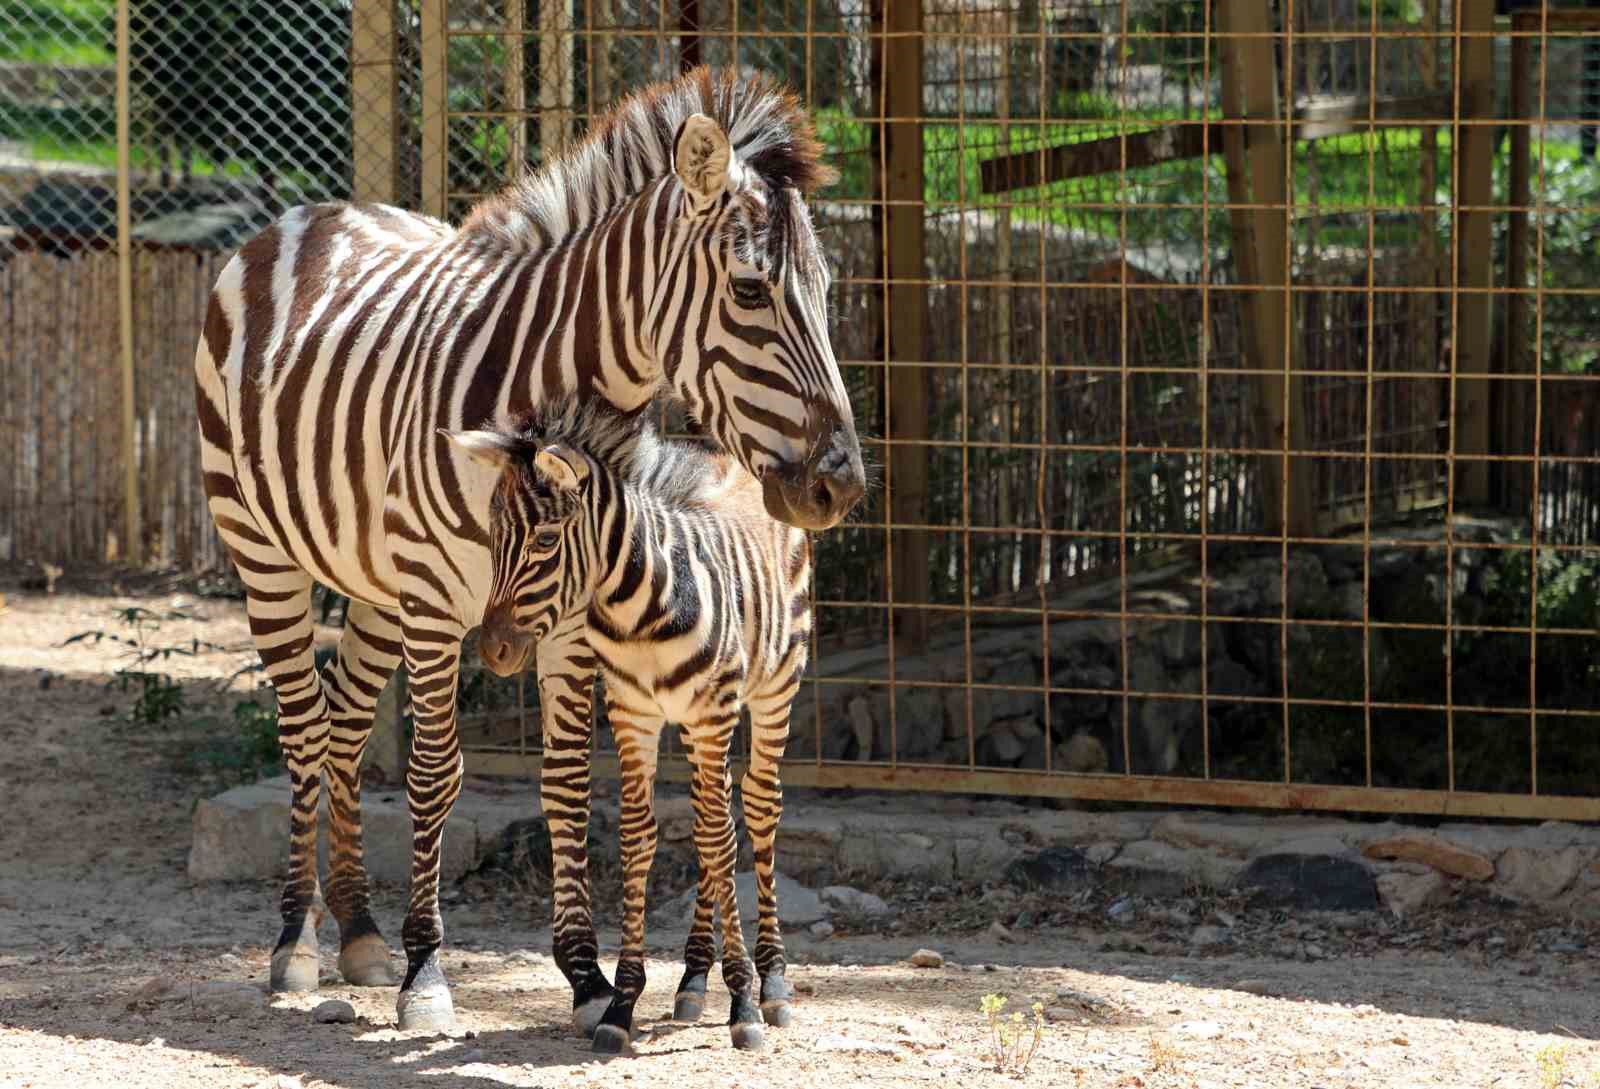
(696, 605)
(670, 252)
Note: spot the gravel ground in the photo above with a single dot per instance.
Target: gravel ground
(115, 968)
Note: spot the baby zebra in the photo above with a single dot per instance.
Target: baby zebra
(696, 605)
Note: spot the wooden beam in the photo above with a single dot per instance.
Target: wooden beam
(373, 114)
(1190, 139)
(1256, 159)
(132, 546)
(1473, 147)
(555, 76)
(1514, 400)
(516, 89)
(435, 107)
(898, 86)
(1113, 788)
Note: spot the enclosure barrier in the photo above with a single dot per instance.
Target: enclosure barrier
(1228, 367)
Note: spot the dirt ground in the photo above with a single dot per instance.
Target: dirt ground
(110, 956)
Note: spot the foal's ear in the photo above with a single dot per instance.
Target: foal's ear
(562, 466)
(489, 448)
(702, 157)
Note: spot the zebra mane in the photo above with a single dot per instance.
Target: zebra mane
(632, 145)
(628, 444)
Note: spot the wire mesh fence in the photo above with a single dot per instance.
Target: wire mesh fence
(1229, 365)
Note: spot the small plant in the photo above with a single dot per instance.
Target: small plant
(160, 696)
(1013, 1046)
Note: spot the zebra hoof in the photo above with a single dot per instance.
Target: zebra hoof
(777, 1013)
(586, 1018)
(611, 1040)
(295, 968)
(688, 1006)
(748, 1037)
(426, 1009)
(364, 962)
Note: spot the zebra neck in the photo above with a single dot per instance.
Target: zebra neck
(633, 554)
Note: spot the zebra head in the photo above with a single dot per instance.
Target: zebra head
(743, 334)
(535, 544)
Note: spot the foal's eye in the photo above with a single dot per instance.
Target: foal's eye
(751, 293)
(547, 540)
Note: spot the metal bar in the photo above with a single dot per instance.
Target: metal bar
(133, 546)
(435, 108)
(1111, 788)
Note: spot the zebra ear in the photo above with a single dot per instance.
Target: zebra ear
(489, 448)
(702, 157)
(561, 466)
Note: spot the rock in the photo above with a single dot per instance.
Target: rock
(471, 1055)
(1197, 1030)
(927, 958)
(1531, 876)
(1082, 753)
(335, 1011)
(1256, 986)
(1057, 1014)
(221, 997)
(821, 929)
(1004, 744)
(1101, 853)
(1121, 910)
(1405, 894)
(119, 941)
(998, 930)
(917, 1034)
(1054, 868)
(836, 1042)
(844, 898)
(239, 834)
(861, 725)
(1207, 937)
(1310, 882)
(1441, 854)
(1154, 868)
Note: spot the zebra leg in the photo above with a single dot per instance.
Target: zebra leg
(369, 650)
(762, 792)
(432, 647)
(714, 836)
(278, 600)
(566, 699)
(700, 951)
(637, 736)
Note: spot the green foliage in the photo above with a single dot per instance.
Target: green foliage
(159, 697)
(1012, 1046)
(70, 32)
(247, 752)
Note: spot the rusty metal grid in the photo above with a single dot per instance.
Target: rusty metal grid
(1252, 330)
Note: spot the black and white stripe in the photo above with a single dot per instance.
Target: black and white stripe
(669, 253)
(696, 605)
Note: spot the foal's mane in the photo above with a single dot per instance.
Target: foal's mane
(632, 145)
(630, 445)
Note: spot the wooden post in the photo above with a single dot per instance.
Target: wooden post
(373, 114)
(516, 83)
(688, 34)
(1514, 420)
(435, 106)
(1473, 147)
(898, 85)
(132, 550)
(555, 75)
(1255, 155)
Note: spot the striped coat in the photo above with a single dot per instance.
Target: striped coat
(670, 252)
(696, 603)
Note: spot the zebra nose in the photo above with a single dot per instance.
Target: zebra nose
(502, 648)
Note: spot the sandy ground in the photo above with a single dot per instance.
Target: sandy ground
(95, 904)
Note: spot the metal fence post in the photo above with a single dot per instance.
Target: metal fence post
(435, 108)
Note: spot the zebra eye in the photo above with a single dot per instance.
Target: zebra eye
(547, 540)
(751, 293)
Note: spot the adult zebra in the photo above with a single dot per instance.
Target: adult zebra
(670, 250)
